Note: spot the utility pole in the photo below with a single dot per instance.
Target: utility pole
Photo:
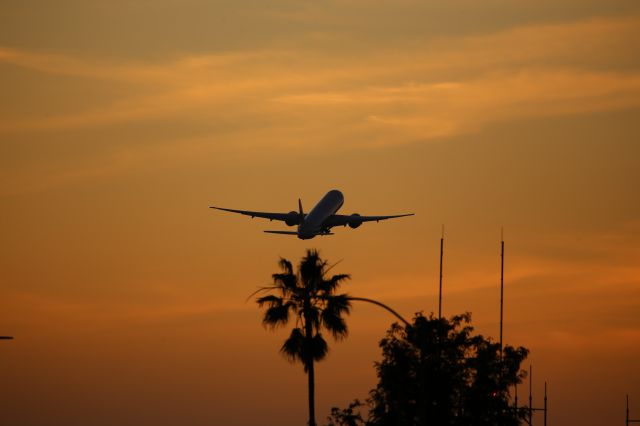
(440, 292)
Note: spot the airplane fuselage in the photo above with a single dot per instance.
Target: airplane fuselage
(319, 221)
(313, 223)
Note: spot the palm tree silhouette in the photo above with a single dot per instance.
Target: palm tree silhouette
(309, 297)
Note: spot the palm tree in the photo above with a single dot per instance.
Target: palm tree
(309, 297)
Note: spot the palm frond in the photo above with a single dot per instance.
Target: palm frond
(332, 316)
(336, 325)
(270, 299)
(277, 315)
(311, 269)
(286, 266)
(292, 348)
(341, 302)
(258, 291)
(330, 285)
(285, 282)
(319, 348)
(312, 315)
(326, 271)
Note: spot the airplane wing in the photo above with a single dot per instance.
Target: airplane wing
(264, 215)
(281, 232)
(355, 220)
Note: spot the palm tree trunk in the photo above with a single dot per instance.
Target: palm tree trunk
(308, 331)
(311, 381)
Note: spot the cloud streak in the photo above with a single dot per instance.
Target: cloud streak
(311, 100)
(443, 88)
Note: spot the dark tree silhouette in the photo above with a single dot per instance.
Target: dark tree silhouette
(436, 372)
(350, 416)
(309, 297)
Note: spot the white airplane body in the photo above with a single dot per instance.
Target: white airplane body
(319, 220)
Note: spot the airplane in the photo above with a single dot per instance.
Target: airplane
(320, 219)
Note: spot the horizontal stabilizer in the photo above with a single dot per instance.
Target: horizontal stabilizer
(282, 232)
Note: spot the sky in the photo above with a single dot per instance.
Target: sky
(122, 121)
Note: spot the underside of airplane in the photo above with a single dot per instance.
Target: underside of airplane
(319, 220)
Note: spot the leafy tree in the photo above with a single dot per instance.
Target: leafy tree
(437, 372)
(308, 297)
(349, 416)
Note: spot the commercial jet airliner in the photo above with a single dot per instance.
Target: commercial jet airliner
(320, 219)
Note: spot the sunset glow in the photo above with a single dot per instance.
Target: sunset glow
(121, 122)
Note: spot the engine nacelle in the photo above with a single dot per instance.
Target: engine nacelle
(354, 224)
(292, 219)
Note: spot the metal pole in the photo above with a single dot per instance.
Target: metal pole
(627, 417)
(530, 397)
(440, 292)
(501, 287)
(382, 305)
(545, 403)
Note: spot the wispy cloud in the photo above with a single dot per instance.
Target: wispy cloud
(310, 99)
(441, 88)
(163, 309)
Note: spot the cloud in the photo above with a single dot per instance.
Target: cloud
(433, 89)
(450, 108)
(315, 99)
(170, 306)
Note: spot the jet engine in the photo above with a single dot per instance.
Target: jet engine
(293, 218)
(354, 224)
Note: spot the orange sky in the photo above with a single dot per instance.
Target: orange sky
(120, 122)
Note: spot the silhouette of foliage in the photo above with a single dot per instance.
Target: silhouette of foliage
(308, 297)
(349, 416)
(437, 372)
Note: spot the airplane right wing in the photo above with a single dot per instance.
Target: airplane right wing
(355, 220)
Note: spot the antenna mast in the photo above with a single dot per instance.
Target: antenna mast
(440, 292)
(531, 409)
(628, 419)
(501, 285)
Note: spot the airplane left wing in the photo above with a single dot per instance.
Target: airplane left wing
(291, 218)
(281, 232)
(355, 220)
